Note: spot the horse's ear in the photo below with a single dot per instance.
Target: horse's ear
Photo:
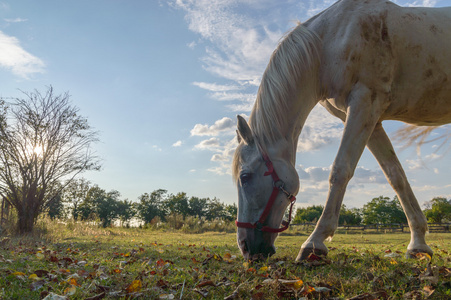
(244, 132)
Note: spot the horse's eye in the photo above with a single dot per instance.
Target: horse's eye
(245, 178)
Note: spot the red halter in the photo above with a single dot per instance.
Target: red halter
(278, 185)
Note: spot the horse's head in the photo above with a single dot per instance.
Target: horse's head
(266, 181)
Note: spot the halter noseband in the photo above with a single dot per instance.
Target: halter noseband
(278, 185)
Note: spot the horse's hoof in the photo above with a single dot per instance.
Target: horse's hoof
(310, 254)
(418, 253)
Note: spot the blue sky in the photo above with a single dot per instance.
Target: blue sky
(163, 81)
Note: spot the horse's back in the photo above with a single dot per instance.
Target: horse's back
(400, 51)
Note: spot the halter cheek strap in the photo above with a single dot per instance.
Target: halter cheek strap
(278, 186)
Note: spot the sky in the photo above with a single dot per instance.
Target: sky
(163, 81)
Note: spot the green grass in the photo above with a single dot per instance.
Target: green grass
(81, 261)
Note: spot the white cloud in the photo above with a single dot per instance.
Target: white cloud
(213, 87)
(426, 3)
(225, 125)
(177, 144)
(16, 20)
(240, 43)
(156, 148)
(210, 144)
(320, 129)
(16, 59)
(362, 175)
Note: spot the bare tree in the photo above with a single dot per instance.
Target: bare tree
(43, 141)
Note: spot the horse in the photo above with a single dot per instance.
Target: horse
(365, 62)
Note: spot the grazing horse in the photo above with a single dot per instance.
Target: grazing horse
(365, 62)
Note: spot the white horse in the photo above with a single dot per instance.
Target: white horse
(365, 62)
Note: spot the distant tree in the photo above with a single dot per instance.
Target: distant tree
(75, 193)
(55, 207)
(215, 209)
(177, 204)
(126, 210)
(438, 210)
(43, 139)
(349, 216)
(151, 205)
(382, 210)
(231, 211)
(197, 207)
(88, 208)
(308, 214)
(107, 207)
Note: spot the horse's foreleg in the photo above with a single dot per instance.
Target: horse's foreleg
(382, 149)
(362, 113)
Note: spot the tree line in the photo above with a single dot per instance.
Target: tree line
(380, 210)
(83, 201)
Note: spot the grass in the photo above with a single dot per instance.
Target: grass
(79, 261)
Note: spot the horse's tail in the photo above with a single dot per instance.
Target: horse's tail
(411, 135)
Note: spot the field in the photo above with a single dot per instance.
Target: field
(77, 261)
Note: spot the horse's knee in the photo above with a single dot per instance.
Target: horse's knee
(340, 175)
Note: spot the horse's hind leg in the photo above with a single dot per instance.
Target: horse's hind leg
(379, 144)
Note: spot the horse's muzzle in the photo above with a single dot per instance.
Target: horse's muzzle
(256, 244)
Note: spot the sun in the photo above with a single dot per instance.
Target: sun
(38, 150)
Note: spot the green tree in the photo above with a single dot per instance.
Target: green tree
(308, 214)
(349, 216)
(231, 211)
(75, 193)
(151, 205)
(438, 210)
(87, 209)
(177, 204)
(126, 210)
(55, 207)
(107, 207)
(215, 209)
(43, 139)
(197, 207)
(382, 210)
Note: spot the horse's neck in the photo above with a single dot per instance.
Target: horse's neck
(297, 112)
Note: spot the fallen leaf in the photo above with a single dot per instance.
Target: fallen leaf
(71, 290)
(206, 283)
(135, 286)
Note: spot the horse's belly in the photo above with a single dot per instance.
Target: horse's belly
(431, 107)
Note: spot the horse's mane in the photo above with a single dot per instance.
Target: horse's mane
(293, 59)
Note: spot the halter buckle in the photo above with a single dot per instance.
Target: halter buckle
(279, 184)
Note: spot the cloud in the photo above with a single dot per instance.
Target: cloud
(156, 148)
(426, 3)
(225, 125)
(423, 162)
(16, 20)
(213, 87)
(210, 144)
(320, 129)
(177, 144)
(362, 175)
(240, 44)
(15, 58)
